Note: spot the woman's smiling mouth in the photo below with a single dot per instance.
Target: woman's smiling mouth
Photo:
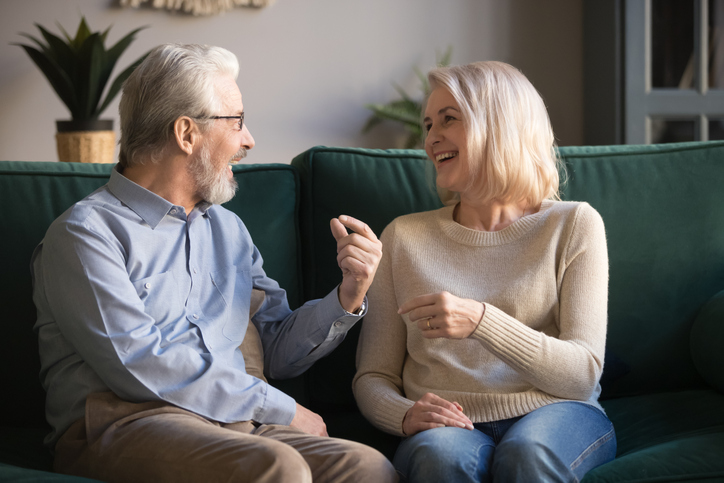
(446, 156)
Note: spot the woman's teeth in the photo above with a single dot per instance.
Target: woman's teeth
(444, 156)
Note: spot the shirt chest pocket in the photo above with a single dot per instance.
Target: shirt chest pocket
(160, 296)
(233, 285)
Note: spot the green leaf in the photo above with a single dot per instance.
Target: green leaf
(372, 121)
(68, 38)
(95, 72)
(394, 113)
(413, 141)
(89, 67)
(40, 44)
(423, 80)
(60, 52)
(104, 35)
(115, 52)
(82, 34)
(118, 82)
(405, 96)
(112, 55)
(414, 107)
(444, 61)
(58, 79)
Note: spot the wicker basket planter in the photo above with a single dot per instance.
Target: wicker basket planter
(86, 142)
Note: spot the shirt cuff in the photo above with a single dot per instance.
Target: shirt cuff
(278, 408)
(333, 319)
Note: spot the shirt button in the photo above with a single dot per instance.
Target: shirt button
(195, 271)
(147, 285)
(195, 316)
(173, 211)
(338, 324)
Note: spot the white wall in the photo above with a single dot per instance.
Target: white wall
(308, 66)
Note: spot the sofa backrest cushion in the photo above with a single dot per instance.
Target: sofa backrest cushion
(33, 194)
(663, 207)
(374, 186)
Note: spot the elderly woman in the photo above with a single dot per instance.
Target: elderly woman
(484, 341)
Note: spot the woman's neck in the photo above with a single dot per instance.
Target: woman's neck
(491, 216)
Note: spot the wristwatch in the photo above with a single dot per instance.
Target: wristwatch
(361, 309)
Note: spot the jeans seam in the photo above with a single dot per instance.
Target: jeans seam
(593, 447)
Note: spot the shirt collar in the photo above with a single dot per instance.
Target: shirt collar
(149, 206)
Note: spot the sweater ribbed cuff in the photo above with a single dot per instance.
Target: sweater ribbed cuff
(509, 339)
(382, 406)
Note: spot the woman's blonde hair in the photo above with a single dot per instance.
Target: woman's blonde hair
(512, 154)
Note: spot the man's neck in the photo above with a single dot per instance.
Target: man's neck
(168, 178)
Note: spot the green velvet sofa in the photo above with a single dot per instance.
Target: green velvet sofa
(663, 383)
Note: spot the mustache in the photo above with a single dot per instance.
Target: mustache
(240, 154)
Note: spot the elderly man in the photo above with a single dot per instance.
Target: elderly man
(144, 291)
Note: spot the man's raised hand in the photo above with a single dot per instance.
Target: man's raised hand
(358, 255)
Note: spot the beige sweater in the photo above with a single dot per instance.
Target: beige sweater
(544, 283)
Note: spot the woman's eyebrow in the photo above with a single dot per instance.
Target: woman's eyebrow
(442, 111)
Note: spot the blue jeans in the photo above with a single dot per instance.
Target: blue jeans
(558, 442)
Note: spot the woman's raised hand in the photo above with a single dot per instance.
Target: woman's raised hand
(444, 315)
(432, 411)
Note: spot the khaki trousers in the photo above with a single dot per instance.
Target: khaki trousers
(156, 442)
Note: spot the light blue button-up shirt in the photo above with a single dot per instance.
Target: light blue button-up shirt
(135, 297)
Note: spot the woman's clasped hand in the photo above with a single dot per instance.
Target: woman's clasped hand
(444, 315)
(431, 411)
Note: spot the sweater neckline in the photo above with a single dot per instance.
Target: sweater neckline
(510, 233)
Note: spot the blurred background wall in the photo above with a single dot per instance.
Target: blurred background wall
(308, 67)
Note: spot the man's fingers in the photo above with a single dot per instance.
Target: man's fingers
(338, 229)
(355, 252)
(357, 226)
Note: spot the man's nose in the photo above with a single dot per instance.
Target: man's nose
(247, 140)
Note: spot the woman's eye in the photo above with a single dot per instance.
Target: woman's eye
(428, 127)
(449, 118)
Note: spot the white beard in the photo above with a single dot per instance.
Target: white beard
(211, 185)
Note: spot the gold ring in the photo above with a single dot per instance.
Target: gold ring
(428, 324)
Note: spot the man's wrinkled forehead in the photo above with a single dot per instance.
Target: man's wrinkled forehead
(229, 94)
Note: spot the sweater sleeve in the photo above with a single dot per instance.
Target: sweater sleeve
(570, 365)
(381, 351)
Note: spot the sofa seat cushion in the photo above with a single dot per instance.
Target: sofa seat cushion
(674, 436)
(24, 447)
(15, 474)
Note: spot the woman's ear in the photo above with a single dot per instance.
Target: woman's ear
(186, 134)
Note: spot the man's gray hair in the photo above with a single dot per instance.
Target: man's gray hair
(174, 80)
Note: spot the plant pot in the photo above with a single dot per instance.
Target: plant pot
(86, 141)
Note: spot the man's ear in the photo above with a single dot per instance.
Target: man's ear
(186, 133)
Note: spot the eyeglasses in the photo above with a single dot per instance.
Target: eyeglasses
(240, 118)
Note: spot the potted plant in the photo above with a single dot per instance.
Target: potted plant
(406, 111)
(78, 69)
